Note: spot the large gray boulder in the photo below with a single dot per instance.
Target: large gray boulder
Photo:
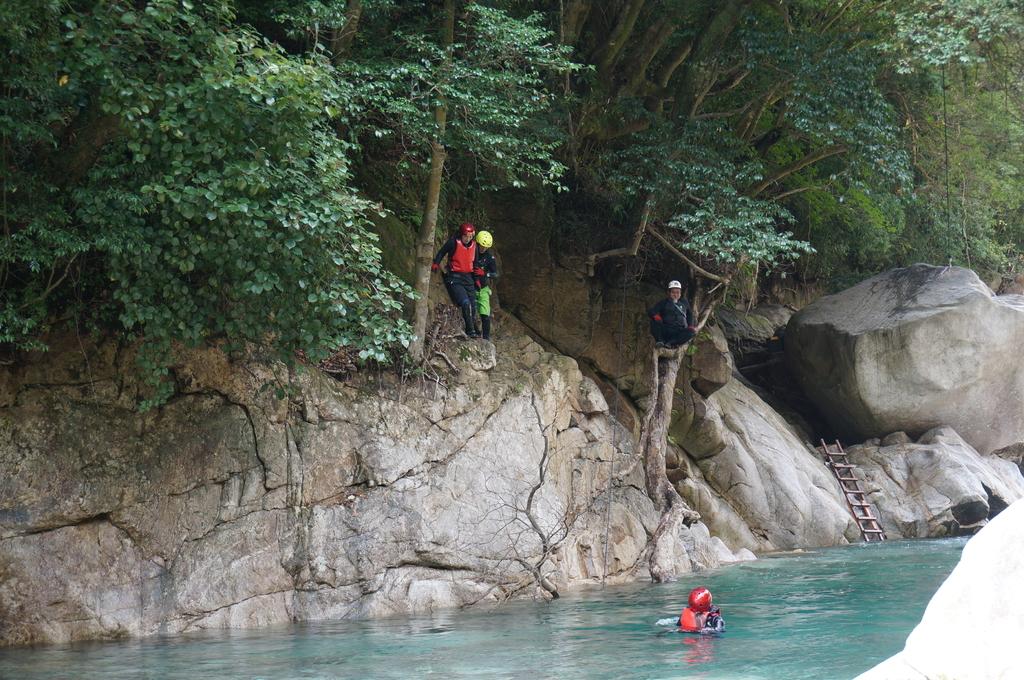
(937, 486)
(974, 624)
(913, 349)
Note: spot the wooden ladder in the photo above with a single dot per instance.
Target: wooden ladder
(836, 460)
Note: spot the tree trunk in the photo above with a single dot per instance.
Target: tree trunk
(654, 436)
(342, 38)
(699, 70)
(425, 238)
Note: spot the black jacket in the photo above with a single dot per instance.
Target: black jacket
(674, 314)
(486, 262)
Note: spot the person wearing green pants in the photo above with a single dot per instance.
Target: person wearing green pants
(486, 271)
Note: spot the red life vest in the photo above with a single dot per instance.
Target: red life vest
(462, 258)
(689, 622)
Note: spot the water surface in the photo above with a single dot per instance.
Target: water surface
(820, 615)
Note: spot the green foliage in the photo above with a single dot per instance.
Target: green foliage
(819, 119)
(696, 178)
(218, 206)
(183, 171)
(39, 239)
(928, 34)
(494, 89)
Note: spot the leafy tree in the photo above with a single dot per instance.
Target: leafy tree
(465, 79)
(208, 197)
(720, 127)
(714, 126)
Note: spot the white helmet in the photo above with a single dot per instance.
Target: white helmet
(675, 284)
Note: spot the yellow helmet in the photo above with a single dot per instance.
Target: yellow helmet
(484, 238)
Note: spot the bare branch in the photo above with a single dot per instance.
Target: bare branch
(451, 364)
(633, 248)
(810, 159)
(798, 190)
(690, 263)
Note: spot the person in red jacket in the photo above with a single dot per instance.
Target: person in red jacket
(671, 319)
(699, 616)
(461, 251)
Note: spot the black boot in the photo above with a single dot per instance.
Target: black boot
(467, 318)
(485, 322)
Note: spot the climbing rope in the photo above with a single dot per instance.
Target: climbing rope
(945, 145)
(615, 422)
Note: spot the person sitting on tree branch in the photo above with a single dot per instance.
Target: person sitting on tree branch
(672, 319)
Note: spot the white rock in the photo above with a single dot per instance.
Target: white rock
(974, 625)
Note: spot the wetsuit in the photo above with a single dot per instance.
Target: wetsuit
(671, 322)
(700, 622)
(459, 278)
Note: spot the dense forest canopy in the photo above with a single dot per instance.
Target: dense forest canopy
(184, 171)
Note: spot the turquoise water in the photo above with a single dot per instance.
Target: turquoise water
(820, 615)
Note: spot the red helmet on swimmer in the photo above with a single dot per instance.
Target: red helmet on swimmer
(466, 228)
(700, 599)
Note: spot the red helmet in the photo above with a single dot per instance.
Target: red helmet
(700, 599)
(466, 228)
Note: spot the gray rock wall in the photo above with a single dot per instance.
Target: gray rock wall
(229, 507)
(757, 484)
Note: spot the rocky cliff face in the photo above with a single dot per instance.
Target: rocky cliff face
(930, 346)
(231, 507)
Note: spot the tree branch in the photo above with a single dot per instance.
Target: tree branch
(837, 16)
(617, 40)
(654, 39)
(792, 192)
(690, 263)
(634, 246)
(342, 38)
(627, 128)
(574, 14)
(810, 159)
(674, 61)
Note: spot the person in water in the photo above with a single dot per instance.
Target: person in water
(672, 319)
(700, 616)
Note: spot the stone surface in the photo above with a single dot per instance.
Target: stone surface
(938, 486)
(749, 333)
(755, 483)
(710, 364)
(1013, 453)
(973, 625)
(913, 349)
(228, 507)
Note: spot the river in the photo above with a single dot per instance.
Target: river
(819, 615)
